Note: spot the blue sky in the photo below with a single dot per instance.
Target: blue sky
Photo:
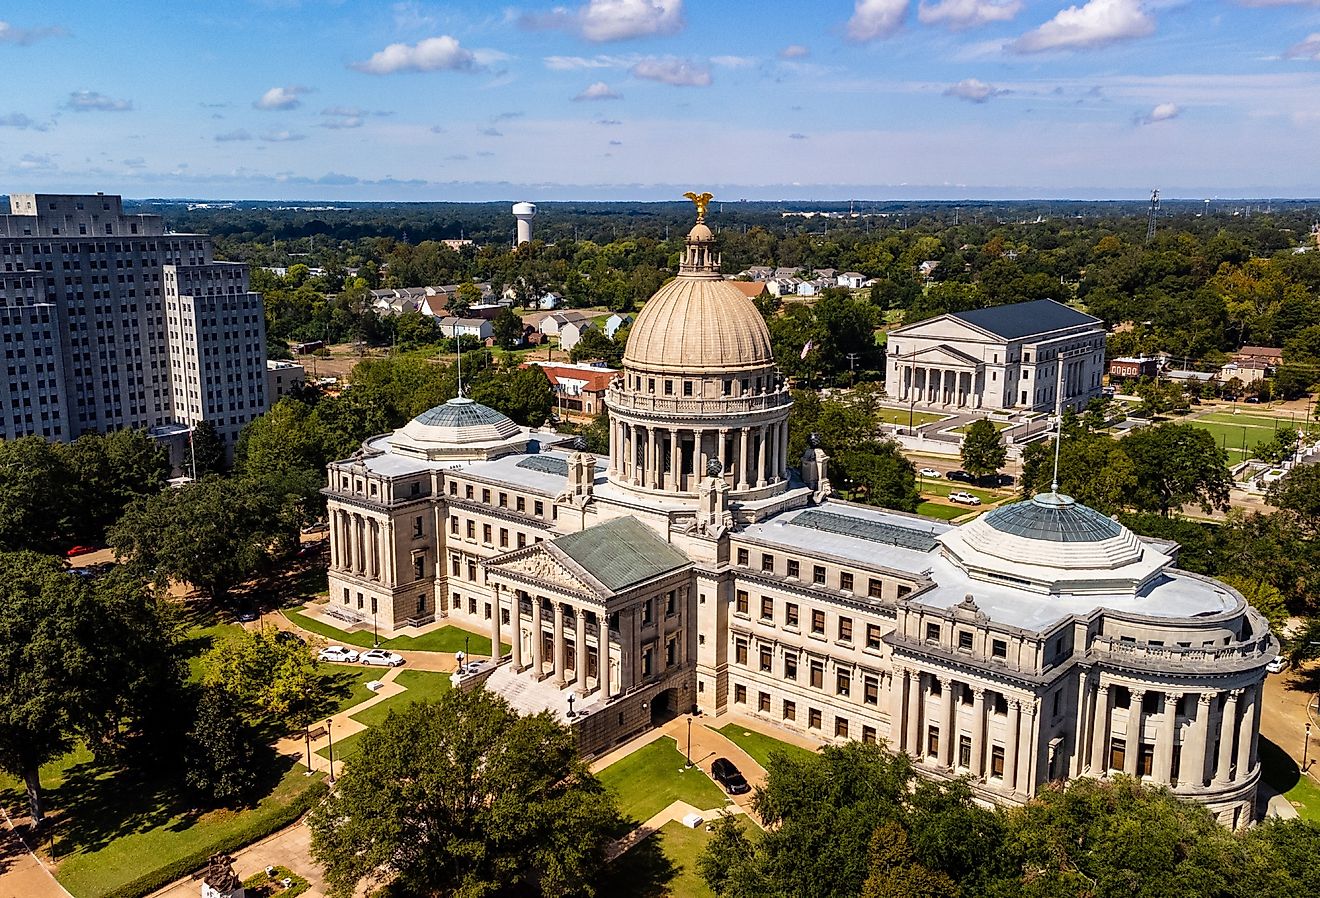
(620, 99)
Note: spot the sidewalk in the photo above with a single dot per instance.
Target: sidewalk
(290, 847)
(342, 725)
(22, 873)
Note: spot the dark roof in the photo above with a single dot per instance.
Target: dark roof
(621, 553)
(1024, 318)
(1053, 517)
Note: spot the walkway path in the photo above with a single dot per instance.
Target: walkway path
(290, 847)
(22, 873)
(676, 811)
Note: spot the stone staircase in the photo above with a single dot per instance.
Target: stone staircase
(526, 695)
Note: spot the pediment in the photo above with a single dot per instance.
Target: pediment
(538, 564)
(946, 327)
(943, 356)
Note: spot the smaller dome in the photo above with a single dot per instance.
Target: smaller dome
(457, 427)
(1054, 517)
(700, 232)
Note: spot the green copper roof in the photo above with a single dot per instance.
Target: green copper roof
(621, 553)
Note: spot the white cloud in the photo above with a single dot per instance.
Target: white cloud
(576, 63)
(733, 62)
(957, 14)
(974, 90)
(1162, 113)
(671, 70)
(873, 19)
(598, 90)
(231, 136)
(1307, 49)
(281, 97)
(1095, 24)
(11, 34)
(434, 54)
(280, 136)
(36, 161)
(92, 101)
(794, 51)
(22, 122)
(610, 20)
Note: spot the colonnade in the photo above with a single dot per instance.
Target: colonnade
(362, 546)
(675, 458)
(914, 712)
(931, 385)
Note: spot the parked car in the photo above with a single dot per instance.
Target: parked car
(311, 548)
(1252, 400)
(1278, 664)
(961, 476)
(380, 658)
(79, 550)
(964, 497)
(336, 653)
(317, 527)
(246, 615)
(929, 472)
(730, 777)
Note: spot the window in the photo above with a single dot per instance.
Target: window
(538, 508)
(817, 675)
(904, 591)
(671, 602)
(471, 529)
(845, 581)
(1057, 703)
(1000, 703)
(687, 391)
(997, 762)
(521, 504)
(648, 611)
(419, 567)
(845, 629)
(741, 605)
(767, 608)
(740, 651)
(793, 567)
(766, 659)
(932, 741)
(813, 718)
(791, 614)
(504, 500)
(843, 682)
(485, 496)
(817, 621)
(790, 710)
(1150, 702)
(417, 526)
(818, 575)
(873, 636)
(453, 524)
(1146, 758)
(504, 538)
(743, 557)
(868, 735)
(932, 632)
(875, 588)
(790, 667)
(485, 533)
(1117, 754)
(965, 751)
(763, 702)
(740, 694)
(1122, 697)
(767, 564)
(964, 641)
(871, 690)
(998, 648)
(841, 727)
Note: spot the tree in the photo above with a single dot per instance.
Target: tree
(214, 533)
(1093, 469)
(507, 329)
(276, 676)
(222, 751)
(462, 796)
(1177, 464)
(1298, 491)
(880, 474)
(524, 394)
(33, 480)
(1278, 448)
(895, 873)
(983, 451)
(207, 453)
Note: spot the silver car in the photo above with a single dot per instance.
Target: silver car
(336, 653)
(381, 658)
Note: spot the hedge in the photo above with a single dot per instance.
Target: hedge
(164, 875)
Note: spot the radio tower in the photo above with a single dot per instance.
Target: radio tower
(1154, 214)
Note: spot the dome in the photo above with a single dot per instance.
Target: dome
(455, 428)
(698, 324)
(1054, 517)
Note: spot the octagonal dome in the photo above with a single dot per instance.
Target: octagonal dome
(459, 428)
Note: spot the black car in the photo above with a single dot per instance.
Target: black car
(729, 777)
(961, 476)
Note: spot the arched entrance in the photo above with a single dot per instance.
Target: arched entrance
(664, 706)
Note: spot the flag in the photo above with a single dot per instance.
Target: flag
(806, 348)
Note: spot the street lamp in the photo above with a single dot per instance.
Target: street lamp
(689, 744)
(307, 737)
(466, 653)
(1306, 748)
(571, 714)
(329, 736)
(375, 634)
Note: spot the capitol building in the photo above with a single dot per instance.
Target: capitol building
(699, 566)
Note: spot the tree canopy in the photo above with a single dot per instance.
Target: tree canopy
(983, 451)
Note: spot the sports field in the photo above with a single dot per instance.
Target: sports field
(1238, 434)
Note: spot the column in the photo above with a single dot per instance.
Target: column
(674, 469)
(948, 725)
(978, 733)
(913, 721)
(761, 476)
(1133, 736)
(720, 450)
(1227, 738)
(1246, 731)
(743, 457)
(783, 451)
(1081, 738)
(1100, 735)
(537, 640)
(1168, 735)
(373, 530)
(897, 694)
(698, 460)
(1027, 743)
(580, 649)
(773, 473)
(515, 620)
(391, 574)
(1011, 741)
(1193, 757)
(495, 624)
(559, 645)
(336, 539)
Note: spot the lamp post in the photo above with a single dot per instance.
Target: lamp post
(1306, 748)
(375, 634)
(330, 736)
(466, 653)
(571, 713)
(688, 754)
(307, 737)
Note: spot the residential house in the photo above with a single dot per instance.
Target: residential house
(782, 286)
(1271, 356)
(480, 328)
(1248, 371)
(571, 332)
(614, 322)
(851, 280)
(759, 273)
(550, 301)
(579, 389)
(793, 272)
(1129, 367)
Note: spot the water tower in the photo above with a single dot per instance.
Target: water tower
(524, 212)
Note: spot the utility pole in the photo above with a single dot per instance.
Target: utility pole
(1153, 215)
(852, 367)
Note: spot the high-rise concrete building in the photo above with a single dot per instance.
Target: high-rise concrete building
(99, 311)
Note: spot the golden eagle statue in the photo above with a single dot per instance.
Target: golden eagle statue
(701, 201)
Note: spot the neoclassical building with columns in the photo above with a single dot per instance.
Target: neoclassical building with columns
(697, 566)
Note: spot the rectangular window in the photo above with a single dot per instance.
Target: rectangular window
(648, 611)
(932, 741)
(845, 629)
(875, 588)
(841, 727)
(740, 651)
(790, 710)
(817, 621)
(521, 504)
(767, 564)
(471, 529)
(793, 567)
(964, 641)
(741, 599)
(766, 659)
(870, 690)
(843, 682)
(453, 524)
(813, 718)
(1117, 754)
(1146, 759)
(419, 567)
(790, 667)
(740, 694)
(817, 675)
(873, 636)
(932, 632)
(965, 752)
(818, 575)
(1122, 697)
(763, 702)
(743, 557)
(486, 533)
(417, 527)
(485, 497)
(845, 581)
(998, 648)
(868, 735)
(504, 538)
(997, 762)
(791, 614)
(767, 608)
(538, 508)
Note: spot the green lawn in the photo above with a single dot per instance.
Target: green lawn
(1280, 771)
(653, 777)
(445, 639)
(932, 487)
(419, 685)
(999, 425)
(663, 865)
(900, 417)
(943, 512)
(759, 745)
